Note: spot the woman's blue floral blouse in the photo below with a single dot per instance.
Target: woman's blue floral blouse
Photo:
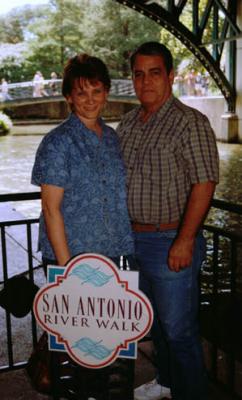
(92, 174)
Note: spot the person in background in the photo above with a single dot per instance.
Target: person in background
(198, 84)
(179, 81)
(190, 79)
(171, 158)
(79, 168)
(53, 84)
(4, 90)
(43, 92)
(37, 84)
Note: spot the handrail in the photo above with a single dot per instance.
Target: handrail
(217, 203)
(21, 91)
(25, 221)
(223, 232)
(19, 196)
(227, 206)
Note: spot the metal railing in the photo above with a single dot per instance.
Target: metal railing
(33, 91)
(27, 90)
(221, 293)
(6, 252)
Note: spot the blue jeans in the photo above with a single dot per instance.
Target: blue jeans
(175, 300)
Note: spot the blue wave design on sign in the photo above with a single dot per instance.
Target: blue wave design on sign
(95, 349)
(91, 275)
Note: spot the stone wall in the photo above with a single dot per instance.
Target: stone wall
(213, 107)
(58, 110)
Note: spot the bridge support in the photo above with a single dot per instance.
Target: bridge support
(229, 128)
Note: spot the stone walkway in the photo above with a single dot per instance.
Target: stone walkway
(16, 386)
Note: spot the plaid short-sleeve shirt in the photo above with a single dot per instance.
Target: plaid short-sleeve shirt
(174, 149)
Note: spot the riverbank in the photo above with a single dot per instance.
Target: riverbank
(34, 127)
(40, 127)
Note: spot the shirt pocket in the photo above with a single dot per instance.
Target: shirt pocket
(153, 163)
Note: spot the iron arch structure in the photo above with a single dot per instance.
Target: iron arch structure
(217, 17)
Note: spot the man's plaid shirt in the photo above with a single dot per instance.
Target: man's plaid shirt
(164, 157)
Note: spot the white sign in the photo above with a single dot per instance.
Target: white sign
(94, 310)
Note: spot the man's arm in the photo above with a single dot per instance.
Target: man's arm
(52, 197)
(180, 254)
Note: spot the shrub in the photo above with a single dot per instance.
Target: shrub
(5, 123)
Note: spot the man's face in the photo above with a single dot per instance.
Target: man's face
(152, 84)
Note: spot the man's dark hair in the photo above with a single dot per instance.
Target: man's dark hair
(84, 66)
(153, 49)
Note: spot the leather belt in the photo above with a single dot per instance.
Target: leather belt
(137, 227)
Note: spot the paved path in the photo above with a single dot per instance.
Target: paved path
(16, 386)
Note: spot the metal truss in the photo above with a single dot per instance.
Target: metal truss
(217, 17)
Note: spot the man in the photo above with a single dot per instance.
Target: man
(172, 169)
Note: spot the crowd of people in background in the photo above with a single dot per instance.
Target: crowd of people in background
(192, 83)
(41, 87)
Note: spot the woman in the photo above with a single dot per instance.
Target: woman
(81, 174)
(82, 179)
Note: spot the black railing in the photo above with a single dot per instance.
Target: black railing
(221, 294)
(10, 364)
(16, 247)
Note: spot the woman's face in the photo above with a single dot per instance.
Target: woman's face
(87, 99)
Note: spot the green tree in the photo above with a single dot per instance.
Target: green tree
(14, 25)
(11, 30)
(14, 32)
(104, 28)
(114, 32)
(57, 36)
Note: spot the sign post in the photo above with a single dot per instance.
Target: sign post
(93, 311)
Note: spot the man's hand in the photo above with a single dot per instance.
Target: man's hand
(180, 254)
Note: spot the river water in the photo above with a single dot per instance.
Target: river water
(17, 157)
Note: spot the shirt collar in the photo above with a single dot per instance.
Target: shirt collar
(81, 129)
(160, 112)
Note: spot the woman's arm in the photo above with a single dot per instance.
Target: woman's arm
(52, 197)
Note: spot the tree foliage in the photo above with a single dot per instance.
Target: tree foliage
(14, 25)
(65, 27)
(55, 32)
(57, 36)
(115, 32)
